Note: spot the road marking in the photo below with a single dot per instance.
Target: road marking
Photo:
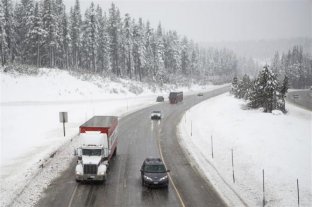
(72, 196)
(174, 186)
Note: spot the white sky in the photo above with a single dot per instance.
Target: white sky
(226, 20)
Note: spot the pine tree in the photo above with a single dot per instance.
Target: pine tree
(75, 34)
(184, 56)
(35, 37)
(264, 90)
(90, 39)
(102, 46)
(148, 56)
(49, 22)
(234, 86)
(9, 31)
(282, 94)
(128, 44)
(138, 49)
(158, 52)
(23, 18)
(243, 88)
(276, 65)
(3, 39)
(114, 23)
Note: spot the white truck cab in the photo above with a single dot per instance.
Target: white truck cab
(98, 144)
(92, 156)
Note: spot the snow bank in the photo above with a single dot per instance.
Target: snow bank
(30, 128)
(281, 145)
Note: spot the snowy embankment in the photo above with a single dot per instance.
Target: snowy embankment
(30, 128)
(278, 144)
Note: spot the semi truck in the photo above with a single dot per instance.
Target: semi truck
(175, 97)
(98, 144)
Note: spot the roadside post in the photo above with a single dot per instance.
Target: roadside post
(211, 146)
(233, 166)
(298, 192)
(263, 201)
(63, 119)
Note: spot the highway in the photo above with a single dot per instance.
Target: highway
(140, 137)
(302, 98)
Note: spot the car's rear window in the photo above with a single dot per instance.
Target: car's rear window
(154, 168)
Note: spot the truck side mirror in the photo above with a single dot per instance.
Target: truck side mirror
(75, 152)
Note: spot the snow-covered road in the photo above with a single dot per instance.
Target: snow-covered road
(30, 128)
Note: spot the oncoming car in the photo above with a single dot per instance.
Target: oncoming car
(154, 173)
(156, 115)
(160, 99)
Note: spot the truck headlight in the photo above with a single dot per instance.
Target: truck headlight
(147, 178)
(101, 172)
(164, 178)
(78, 173)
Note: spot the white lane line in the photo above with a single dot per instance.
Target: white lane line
(174, 186)
(72, 196)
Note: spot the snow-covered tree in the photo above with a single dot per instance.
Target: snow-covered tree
(4, 50)
(103, 63)
(9, 31)
(185, 61)
(243, 88)
(49, 23)
(128, 41)
(75, 34)
(281, 94)
(114, 26)
(90, 39)
(264, 90)
(35, 37)
(138, 49)
(24, 18)
(234, 86)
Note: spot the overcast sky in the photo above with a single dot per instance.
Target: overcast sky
(226, 20)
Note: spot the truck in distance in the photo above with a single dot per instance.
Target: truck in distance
(175, 97)
(98, 144)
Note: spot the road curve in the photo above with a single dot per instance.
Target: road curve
(302, 98)
(139, 137)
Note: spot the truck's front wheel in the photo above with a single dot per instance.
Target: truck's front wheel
(115, 152)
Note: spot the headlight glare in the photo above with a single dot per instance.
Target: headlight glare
(147, 178)
(164, 178)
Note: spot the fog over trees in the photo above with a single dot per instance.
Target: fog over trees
(43, 34)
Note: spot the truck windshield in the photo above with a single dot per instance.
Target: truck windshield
(91, 152)
(154, 168)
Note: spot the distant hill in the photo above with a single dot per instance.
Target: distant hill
(263, 50)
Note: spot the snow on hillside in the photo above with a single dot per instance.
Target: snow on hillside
(30, 128)
(279, 144)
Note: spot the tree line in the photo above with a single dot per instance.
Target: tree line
(264, 91)
(43, 34)
(296, 65)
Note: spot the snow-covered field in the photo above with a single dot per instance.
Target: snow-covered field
(30, 128)
(279, 144)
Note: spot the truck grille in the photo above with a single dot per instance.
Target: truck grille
(90, 169)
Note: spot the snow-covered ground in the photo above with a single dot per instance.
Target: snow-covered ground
(30, 128)
(279, 144)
